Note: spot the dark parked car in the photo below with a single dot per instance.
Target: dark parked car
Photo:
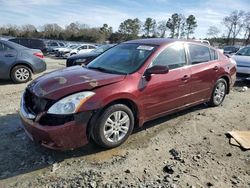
(124, 87)
(18, 62)
(85, 58)
(31, 43)
(230, 49)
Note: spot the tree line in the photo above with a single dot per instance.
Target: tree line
(177, 26)
(238, 22)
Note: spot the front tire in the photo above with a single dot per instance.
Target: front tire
(20, 74)
(219, 92)
(113, 126)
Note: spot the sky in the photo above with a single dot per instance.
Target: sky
(97, 12)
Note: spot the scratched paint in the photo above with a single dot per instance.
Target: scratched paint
(61, 80)
(93, 83)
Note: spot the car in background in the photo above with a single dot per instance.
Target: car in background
(83, 48)
(203, 41)
(230, 49)
(124, 87)
(84, 59)
(52, 45)
(65, 51)
(31, 43)
(18, 63)
(242, 58)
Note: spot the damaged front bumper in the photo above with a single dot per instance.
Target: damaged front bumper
(53, 132)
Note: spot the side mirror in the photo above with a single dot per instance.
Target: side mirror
(157, 69)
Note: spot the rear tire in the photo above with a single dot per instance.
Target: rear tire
(20, 74)
(113, 126)
(219, 92)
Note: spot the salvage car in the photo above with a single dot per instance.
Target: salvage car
(18, 63)
(126, 86)
(84, 59)
(242, 58)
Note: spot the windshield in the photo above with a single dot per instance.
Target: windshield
(123, 58)
(244, 51)
(102, 48)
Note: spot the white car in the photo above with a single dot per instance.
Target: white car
(62, 51)
(84, 48)
(242, 58)
(203, 41)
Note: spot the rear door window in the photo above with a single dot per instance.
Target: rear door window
(198, 54)
(83, 47)
(173, 57)
(92, 47)
(213, 54)
(4, 47)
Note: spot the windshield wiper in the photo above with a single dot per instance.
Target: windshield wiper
(106, 70)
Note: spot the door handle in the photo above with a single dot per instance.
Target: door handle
(185, 78)
(216, 68)
(9, 55)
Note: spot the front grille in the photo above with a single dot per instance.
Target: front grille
(34, 103)
(54, 119)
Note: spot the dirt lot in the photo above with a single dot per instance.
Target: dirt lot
(187, 149)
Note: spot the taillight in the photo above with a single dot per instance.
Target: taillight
(39, 54)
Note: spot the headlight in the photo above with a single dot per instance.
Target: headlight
(80, 60)
(70, 104)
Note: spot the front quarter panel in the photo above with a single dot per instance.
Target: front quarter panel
(229, 70)
(126, 89)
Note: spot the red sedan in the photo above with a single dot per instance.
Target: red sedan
(129, 84)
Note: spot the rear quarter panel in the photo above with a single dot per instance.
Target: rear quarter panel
(26, 57)
(228, 69)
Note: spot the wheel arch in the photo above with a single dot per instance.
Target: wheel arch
(227, 79)
(125, 101)
(21, 63)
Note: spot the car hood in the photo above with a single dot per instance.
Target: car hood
(242, 60)
(60, 83)
(85, 55)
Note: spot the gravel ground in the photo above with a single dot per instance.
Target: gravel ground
(186, 149)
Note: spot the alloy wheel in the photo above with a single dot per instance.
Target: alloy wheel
(116, 126)
(219, 92)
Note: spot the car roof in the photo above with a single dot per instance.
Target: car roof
(21, 38)
(160, 41)
(13, 44)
